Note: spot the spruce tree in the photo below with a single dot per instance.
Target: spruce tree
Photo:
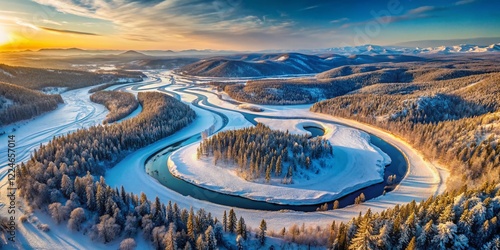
(232, 220)
(262, 232)
(224, 221)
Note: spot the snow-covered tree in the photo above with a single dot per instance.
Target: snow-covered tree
(240, 242)
(66, 185)
(363, 239)
(106, 230)
(76, 218)
(58, 212)
(128, 244)
(262, 232)
(446, 233)
(211, 242)
(170, 239)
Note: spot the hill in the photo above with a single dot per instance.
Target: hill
(346, 79)
(132, 54)
(38, 78)
(19, 103)
(259, 65)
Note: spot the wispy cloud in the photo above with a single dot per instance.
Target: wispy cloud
(416, 13)
(26, 24)
(51, 22)
(309, 7)
(340, 20)
(463, 2)
(74, 32)
(166, 18)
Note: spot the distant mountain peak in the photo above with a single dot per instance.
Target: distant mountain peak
(132, 53)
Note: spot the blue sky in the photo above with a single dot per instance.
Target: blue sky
(248, 24)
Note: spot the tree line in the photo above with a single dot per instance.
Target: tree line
(261, 152)
(119, 103)
(461, 219)
(19, 103)
(39, 78)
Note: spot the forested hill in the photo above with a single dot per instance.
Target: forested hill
(119, 103)
(350, 78)
(453, 121)
(19, 103)
(38, 79)
(259, 65)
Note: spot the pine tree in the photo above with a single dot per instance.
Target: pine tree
(224, 221)
(190, 225)
(90, 194)
(100, 200)
(262, 232)
(158, 216)
(200, 243)
(413, 244)
(210, 238)
(268, 173)
(336, 204)
(363, 238)
(341, 237)
(241, 228)
(232, 220)
(279, 166)
(66, 185)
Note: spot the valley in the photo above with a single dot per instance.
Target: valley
(374, 164)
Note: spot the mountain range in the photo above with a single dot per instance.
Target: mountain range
(370, 49)
(367, 49)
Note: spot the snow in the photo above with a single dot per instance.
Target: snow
(6, 73)
(54, 90)
(356, 164)
(422, 180)
(77, 112)
(282, 58)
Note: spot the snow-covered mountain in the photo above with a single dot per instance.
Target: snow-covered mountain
(370, 49)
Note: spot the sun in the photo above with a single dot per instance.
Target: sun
(4, 36)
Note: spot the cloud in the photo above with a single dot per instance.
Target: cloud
(416, 13)
(463, 2)
(69, 31)
(167, 20)
(309, 7)
(421, 10)
(341, 20)
(51, 22)
(26, 24)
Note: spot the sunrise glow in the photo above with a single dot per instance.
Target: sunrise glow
(4, 36)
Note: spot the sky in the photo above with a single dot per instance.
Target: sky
(239, 24)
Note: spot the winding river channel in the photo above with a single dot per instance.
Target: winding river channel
(156, 165)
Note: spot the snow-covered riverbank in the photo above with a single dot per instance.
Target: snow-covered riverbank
(356, 164)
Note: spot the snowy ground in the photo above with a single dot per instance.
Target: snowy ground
(77, 112)
(356, 164)
(422, 180)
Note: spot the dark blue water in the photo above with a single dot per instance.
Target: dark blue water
(315, 131)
